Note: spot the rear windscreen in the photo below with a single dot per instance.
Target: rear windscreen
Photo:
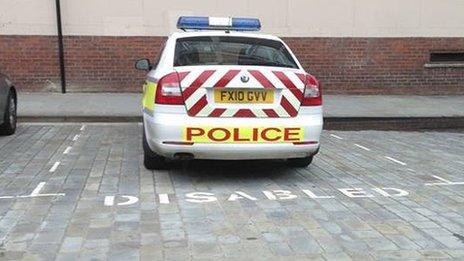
(226, 50)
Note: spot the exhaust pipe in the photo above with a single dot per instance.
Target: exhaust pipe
(183, 156)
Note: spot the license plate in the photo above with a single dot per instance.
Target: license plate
(243, 96)
(203, 134)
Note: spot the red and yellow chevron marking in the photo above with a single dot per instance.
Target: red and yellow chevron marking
(288, 84)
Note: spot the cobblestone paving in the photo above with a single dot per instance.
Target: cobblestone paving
(73, 191)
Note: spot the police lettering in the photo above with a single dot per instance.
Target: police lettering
(270, 134)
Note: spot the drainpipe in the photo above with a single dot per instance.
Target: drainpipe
(60, 46)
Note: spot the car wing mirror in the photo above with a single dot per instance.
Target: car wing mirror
(143, 64)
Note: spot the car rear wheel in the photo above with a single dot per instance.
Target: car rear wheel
(300, 162)
(10, 118)
(151, 160)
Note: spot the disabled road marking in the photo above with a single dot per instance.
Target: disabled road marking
(395, 160)
(55, 166)
(240, 194)
(130, 200)
(444, 183)
(279, 194)
(384, 192)
(312, 195)
(208, 197)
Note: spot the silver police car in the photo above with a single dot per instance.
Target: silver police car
(220, 92)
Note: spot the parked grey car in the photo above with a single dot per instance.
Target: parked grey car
(8, 103)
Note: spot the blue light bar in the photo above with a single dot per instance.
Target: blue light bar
(246, 24)
(218, 23)
(193, 22)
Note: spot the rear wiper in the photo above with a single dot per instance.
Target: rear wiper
(276, 64)
(265, 62)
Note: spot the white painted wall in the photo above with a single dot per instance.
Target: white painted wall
(324, 18)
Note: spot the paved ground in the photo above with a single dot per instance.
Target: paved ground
(80, 191)
(128, 105)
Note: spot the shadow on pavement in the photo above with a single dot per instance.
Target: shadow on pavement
(232, 169)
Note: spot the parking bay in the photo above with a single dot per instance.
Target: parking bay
(80, 190)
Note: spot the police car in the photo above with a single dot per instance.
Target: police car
(220, 91)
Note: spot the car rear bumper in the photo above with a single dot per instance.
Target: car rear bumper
(162, 127)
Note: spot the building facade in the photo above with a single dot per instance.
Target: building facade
(353, 46)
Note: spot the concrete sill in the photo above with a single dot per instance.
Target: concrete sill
(444, 65)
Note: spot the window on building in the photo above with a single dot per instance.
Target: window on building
(447, 57)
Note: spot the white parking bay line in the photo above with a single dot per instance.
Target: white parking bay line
(67, 150)
(83, 127)
(442, 179)
(335, 136)
(76, 137)
(55, 166)
(362, 147)
(163, 198)
(37, 190)
(396, 161)
(444, 183)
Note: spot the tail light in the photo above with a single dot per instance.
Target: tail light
(312, 95)
(168, 90)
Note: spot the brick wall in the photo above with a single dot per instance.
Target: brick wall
(345, 65)
(30, 61)
(379, 65)
(107, 63)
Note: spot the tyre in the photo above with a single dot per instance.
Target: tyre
(151, 160)
(10, 118)
(300, 162)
